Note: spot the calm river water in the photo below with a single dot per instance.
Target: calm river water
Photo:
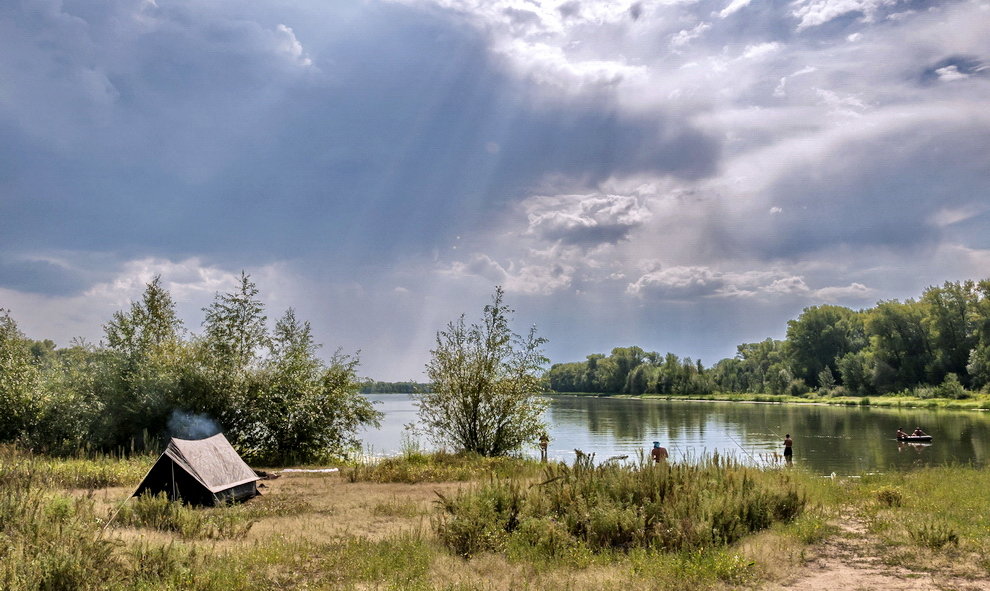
(844, 440)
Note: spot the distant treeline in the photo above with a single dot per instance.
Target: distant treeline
(371, 387)
(149, 378)
(935, 346)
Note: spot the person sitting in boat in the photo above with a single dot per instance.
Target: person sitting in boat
(918, 432)
(901, 434)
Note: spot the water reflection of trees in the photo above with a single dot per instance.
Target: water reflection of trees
(861, 438)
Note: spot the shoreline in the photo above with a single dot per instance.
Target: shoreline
(978, 403)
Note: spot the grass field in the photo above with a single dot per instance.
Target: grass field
(406, 524)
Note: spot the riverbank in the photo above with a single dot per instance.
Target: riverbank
(376, 528)
(977, 402)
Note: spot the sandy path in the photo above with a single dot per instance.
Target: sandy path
(847, 561)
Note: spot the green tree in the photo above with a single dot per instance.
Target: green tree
(140, 370)
(303, 409)
(901, 346)
(952, 321)
(235, 331)
(856, 370)
(228, 355)
(978, 367)
(819, 337)
(18, 381)
(486, 385)
(69, 402)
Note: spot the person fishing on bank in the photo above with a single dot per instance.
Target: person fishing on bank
(659, 454)
(788, 448)
(544, 440)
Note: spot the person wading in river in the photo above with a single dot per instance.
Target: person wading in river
(788, 448)
(659, 454)
(544, 440)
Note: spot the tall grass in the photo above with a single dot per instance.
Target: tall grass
(85, 471)
(159, 513)
(616, 507)
(415, 466)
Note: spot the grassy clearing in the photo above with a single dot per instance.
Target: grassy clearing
(581, 527)
(932, 518)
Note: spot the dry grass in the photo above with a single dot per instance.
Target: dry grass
(324, 531)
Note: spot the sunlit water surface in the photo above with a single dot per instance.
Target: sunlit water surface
(844, 440)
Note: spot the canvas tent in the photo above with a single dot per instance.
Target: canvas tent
(202, 472)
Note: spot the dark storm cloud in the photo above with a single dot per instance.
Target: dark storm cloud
(40, 276)
(207, 138)
(879, 191)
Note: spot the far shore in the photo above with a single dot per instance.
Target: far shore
(979, 402)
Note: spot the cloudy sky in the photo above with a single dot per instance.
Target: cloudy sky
(683, 175)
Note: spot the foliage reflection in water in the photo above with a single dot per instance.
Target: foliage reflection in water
(844, 440)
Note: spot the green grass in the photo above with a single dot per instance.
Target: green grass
(520, 525)
(439, 467)
(95, 471)
(672, 507)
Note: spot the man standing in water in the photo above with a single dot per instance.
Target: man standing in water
(544, 440)
(659, 454)
(788, 448)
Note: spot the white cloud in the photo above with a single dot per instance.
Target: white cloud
(290, 46)
(586, 220)
(685, 36)
(675, 283)
(733, 7)
(540, 277)
(761, 50)
(818, 12)
(853, 291)
(550, 65)
(950, 74)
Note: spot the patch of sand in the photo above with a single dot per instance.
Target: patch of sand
(849, 561)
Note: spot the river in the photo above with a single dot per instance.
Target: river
(827, 439)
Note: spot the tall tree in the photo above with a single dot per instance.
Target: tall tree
(141, 367)
(819, 337)
(901, 346)
(486, 385)
(952, 321)
(235, 338)
(235, 331)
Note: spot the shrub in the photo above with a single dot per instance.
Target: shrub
(889, 496)
(933, 534)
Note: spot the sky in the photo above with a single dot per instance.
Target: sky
(681, 175)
